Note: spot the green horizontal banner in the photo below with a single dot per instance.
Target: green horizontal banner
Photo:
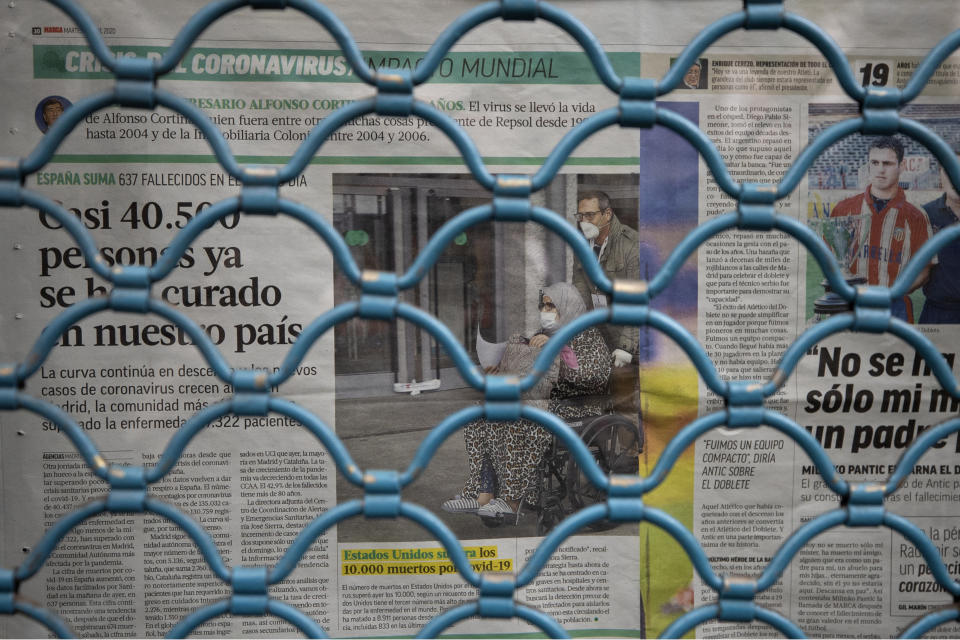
(304, 65)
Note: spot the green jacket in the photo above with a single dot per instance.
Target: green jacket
(620, 261)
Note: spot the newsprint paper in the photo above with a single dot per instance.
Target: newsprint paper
(386, 184)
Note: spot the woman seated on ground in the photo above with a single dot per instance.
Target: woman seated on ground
(505, 456)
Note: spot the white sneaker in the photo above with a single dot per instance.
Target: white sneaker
(496, 508)
(460, 504)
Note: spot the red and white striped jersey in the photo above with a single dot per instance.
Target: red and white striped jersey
(896, 233)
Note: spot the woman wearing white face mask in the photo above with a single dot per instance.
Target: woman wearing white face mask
(504, 456)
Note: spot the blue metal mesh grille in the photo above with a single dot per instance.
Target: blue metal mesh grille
(862, 505)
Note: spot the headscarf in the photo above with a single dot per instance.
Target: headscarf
(570, 306)
(567, 300)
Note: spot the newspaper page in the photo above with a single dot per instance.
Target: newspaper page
(134, 178)
(864, 397)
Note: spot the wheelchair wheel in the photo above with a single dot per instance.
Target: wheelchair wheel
(615, 443)
(549, 515)
(553, 489)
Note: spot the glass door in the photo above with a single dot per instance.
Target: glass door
(387, 221)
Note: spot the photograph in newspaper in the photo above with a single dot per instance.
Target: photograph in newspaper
(503, 289)
(875, 200)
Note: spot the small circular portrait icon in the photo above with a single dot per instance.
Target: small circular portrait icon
(48, 110)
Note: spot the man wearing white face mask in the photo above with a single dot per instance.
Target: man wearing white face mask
(617, 247)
